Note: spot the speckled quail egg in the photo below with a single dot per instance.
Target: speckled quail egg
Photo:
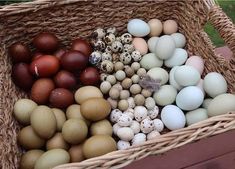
(135, 126)
(112, 30)
(135, 79)
(138, 139)
(106, 56)
(147, 125)
(107, 66)
(111, 79)
(140, 113)
(129, 48)
(99, 45)
(99, 33)
(95, 57)
(153, 134)
(136, 56)
(126, 38)
(108, 49)
(118, 86)
(129, 71)
(153, 113)
(109, 38)
(149, 103)
(135, 66)
(105, 86)
(131, 102)
(125, 133)
(103, 76)
(118, 66)
(130, 113)
(141, 72)
(115, 57)
(116, 127)
(115, 115)
(124, 120)
(125, 58)
(122, 145)
(117, 46)
(158, 125)
(113, 103)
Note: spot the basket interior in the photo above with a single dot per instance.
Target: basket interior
(79, 20)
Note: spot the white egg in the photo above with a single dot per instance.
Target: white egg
(115, 114)
(158, 125)
(138, 28)
(116, 127)
(150, 60)
(149, 103)
(140, 113)
(187, 75)
(125, 133)
(153, 134)
(131, 102)
(165, 47)
(139, 139)
(206, 103)
(179, 39)
(153, 113)
(122, 145)
(214, 84)
(173, 117)
(158, 73)
(189, 98)
(172, 78)
(124, 120)
(152, 42)
(146, 125)
(200, 85)
(165, 95)
(135, 126)
(179, 58)
(196, 116)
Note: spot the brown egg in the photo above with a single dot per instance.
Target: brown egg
(57, 141)
(60, 118)
(19, 52)
(102, 127)
(28, 139)
(76, 154)
(45, 66)
(46, 42)
(29, 159)
(59, 53)
(41, 90)
(22, 76)
(61, 98)
(37, 55)
(65, 79)
(74, 61)
(82, 46)
(90, 76)
(170, 27)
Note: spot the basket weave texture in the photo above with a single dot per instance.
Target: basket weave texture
(70, 19)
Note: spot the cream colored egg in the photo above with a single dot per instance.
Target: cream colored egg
(140, 45)
(150, 60)
(196, 116)
(155, 27)
(165, 96)
(159, 73)
(165, 47)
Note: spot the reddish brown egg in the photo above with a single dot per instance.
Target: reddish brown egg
(45, 66)
(90, 76)
(61, 98)
(65, 79)
(20, 53)
(36, 55)
(59, 53)
(46, 42)
(22, 76)
(82, 46)
(41, 90)
(74, 60)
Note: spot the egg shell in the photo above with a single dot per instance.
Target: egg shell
(60, 118)
(140, 45)
(115, 115)
(135, 126)
(138, 28)
(122, 145)
(29, 158)
(173, 117)
(197, 62)
(115, 128)
(19, 52)
(76, 154)
(221, 104)
(124, 120)
(206, 103)
(165, 47)
(200, 85)
(196, 116)
(52, 158)
(165, 95)
(178, 58)
(150, 61)
(140, 113)
(102, 127)
(170, 27)
(138, 139)
(153, 113)
(187, 75)
(87, 92)
(172, 78)
(159, 73)
(83, 46)
(125, 133)
(152, 42)
(189, 98)
(214, 84)
(146, 125)
(57, 141)
(152, 135)
(65, 79)
(95, 109)
(158, 125)
(155, 27)
(149, 103)
(179, 39)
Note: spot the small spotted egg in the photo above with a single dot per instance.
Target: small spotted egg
(153, 113)
(99, 45)
(107, 56)
(124, 120)
(153, 134)
(99, 33)
(109, 38)
(149, 103)
(108, 49)
(126, 38)
(129, 112)
(116, 127)
(136, 56)
(129, 48)
(147, 125)
(135, 66)
(107, 66)
(158, 125)
(122, 145)
(112, 30)
(140, 113)
(115, 57)
(115, 115)
(95, 57)
(135, 126)
(125, 58)
(131, 102)
(103, 76)
(105, 86)
(138, 139)
(117, 46)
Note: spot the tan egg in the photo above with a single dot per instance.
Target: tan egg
(57, 141)
(29, 159)
(123, 105)
(60, 118)
(114, 93)
(112, 102)
(140, 45)
(126, 83)
(76, 153)
(118, 66)
(155, 27)
(101, 127)
(146, 93)
(87, 92)
(135, 89)
(124, 94)
(170, 27)
(139, 100)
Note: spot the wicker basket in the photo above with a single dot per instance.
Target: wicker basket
(76, 18)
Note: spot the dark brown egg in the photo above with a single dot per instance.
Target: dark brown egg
(22, 76)
(41, 90)
(36, 55)
(82, 46)
(90, 76)
(65, 79)
(45, 66)
(46, 42)
(59, 53)
(61, 98)
(74, 61)
(20, 53)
